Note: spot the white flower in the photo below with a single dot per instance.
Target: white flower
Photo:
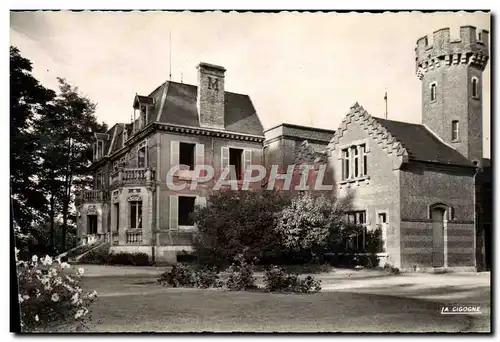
(79, 314)
(26, 297)
(93, 294)
(17, 252)
(65, 265)
(74, 298)
(21, 298)
(80, 270)
(55, 297)
(34, 258)
(47, 261)
(36, 318)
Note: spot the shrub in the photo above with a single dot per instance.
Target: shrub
(134, 259)
(50, 293)
(276, 279)
(235, 222)
(240, 275)
(309, 222)
(206, 277)
(97, 256)
(179, 276)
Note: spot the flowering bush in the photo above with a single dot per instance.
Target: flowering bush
(50, 293)
(179, 276)
(240, 275)
(206, 277)
(276, 279)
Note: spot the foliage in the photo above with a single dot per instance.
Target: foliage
(206, 277)
(276, 279)
(49, 293)
(51, 137)
(134, 259)
(179, 276)
(238, 222)
(183, 276)
(309, 222)
(97, 256)
(240, 275)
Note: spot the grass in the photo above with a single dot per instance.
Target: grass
(136, 304)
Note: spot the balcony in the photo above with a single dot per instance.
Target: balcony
(132, 176)
(134, 236)
(91, 196)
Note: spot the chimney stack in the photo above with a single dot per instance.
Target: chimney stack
(210, 99)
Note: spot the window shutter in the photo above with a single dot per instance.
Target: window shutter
(201, 201)
(174, 212)
(174, 153)
(224, 157)
(200, 154)
(247, 159)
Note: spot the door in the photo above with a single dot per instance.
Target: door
(438, 237)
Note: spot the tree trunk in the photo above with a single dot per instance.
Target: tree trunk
(67, 196)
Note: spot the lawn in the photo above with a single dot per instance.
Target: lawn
(136, 304)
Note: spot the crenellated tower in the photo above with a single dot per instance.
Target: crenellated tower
(451, 74)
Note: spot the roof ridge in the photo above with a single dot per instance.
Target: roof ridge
(369, 123)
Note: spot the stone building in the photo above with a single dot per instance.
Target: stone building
(131, 206)
(418, 181)
(425, 185)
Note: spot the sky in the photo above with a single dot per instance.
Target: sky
(299, 68)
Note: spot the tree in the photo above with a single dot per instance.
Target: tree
(28, 102)
(239, 222)
(66, 135)
(309, 223)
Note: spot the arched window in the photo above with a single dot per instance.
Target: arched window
(433, 92)
(447, 211)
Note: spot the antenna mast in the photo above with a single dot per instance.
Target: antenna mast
(385, 99)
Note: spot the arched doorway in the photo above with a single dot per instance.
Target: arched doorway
(438, 217)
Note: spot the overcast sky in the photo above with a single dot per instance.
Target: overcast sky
(300, 68)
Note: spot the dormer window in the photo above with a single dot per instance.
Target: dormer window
(98, 149)
(144, 112)
(480, 37)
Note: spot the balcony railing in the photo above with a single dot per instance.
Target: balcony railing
(134, 237)
(132, 176)
(91, 196)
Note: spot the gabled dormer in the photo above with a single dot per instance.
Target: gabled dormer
(100, 144)
(143, 107)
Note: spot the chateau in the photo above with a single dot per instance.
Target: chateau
(426, 185)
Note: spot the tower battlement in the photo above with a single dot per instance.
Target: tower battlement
(471, 48)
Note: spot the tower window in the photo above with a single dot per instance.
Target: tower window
(480, 37)
(454, 130)
(475, 92)
(433, 92)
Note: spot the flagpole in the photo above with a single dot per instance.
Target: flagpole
(385, 99)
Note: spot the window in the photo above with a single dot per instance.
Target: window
(364, 160)
(345, 164)
(355, 152)
(116, 164)
(187, 154)
(475, 91)
(91, 224)
(433, 92)
(356, 222)
(141, 156)
(117, 216)
(186, 208)
(98, 181)
(480, 37)
(354, 162)
(382, 221)
(235, 159)
(135, 214)
(454, 130)
(144, 112)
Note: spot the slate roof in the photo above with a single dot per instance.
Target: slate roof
(422, 145)
(180, 109)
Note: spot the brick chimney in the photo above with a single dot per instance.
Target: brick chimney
(210, 99)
